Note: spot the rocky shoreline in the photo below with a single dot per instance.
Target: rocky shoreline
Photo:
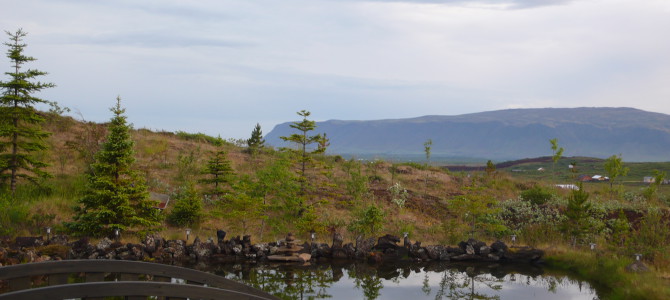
(155, 248)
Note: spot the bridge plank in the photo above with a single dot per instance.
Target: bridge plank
(128, 288)
(20, 283)
(56, 279)
(128, 267)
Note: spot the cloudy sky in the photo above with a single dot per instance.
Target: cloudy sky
(221, 66)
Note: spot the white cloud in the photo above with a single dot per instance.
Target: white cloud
(221, 66)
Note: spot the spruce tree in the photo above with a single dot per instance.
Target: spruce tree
(256, 142)
(219, 172)
(303, 140)
(21, 132)
(577, 214)
(116, 196)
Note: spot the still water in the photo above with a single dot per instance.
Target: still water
(348, 280)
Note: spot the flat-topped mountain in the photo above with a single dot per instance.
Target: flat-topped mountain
(504, 134)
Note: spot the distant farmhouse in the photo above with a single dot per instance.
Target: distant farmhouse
(594, 178)
(651, 179)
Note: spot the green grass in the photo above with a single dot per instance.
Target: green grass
(608, 271)
(585, 165)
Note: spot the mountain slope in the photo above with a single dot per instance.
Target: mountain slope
(505, 134)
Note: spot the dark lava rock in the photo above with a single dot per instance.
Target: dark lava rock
(220, 235)
(435, 252)
(387, 242)
(637, 267)
(337, 240)
(350, 250)
(364, 246)
(498, 247)
(524, 255)
(28, 241)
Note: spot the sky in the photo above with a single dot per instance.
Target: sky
(221, 66)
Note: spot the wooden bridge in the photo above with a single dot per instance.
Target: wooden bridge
(158, 281)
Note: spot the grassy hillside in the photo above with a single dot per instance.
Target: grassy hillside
(354, 197)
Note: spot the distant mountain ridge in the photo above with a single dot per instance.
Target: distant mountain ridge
(504, 134)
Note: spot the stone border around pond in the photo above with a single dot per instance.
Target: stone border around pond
(155, 248)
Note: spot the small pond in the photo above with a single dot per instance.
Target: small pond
(407, 280)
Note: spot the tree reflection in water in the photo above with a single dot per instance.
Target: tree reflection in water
(459, 285)
(456, 281)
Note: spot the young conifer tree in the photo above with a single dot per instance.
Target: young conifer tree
(256, 142)
(219, 172)
(577, 214)
(21, 132)
(116, 196)
(303, 140)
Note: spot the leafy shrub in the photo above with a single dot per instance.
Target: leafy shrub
(531, 223)
(653, 236)
(368, 221)
(399, 194)
(201, 137)
(537, 195)
(187, 210)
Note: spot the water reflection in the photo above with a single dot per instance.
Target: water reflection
(340, 280)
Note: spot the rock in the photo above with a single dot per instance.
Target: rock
(469, 250)
(175, 249)
(59, 239)
(323, 250)
(387, 242)
(414, 249)
(375, 258)
(484, 250)
(202, 250)
(28, 256)
(445, 256)
(455, 251)
(28, 241)
(153, 242)
(435, 252)
(220, 235)
(304, 257)
(498, 247)
(261, 248)
(237, 249)
(363, 247)
(339, 253)
(524, 255)
(337, 240)
(104, 244)
(306, 248)
(81, 249)
(350, 250)
(637, 267)
(246, 241)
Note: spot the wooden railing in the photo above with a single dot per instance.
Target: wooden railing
(198, 285)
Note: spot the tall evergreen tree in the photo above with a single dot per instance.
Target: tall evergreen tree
(21, 132)
(577, 213)
(256, 142)
(219, 172)
(303, 141)
(116, 196)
